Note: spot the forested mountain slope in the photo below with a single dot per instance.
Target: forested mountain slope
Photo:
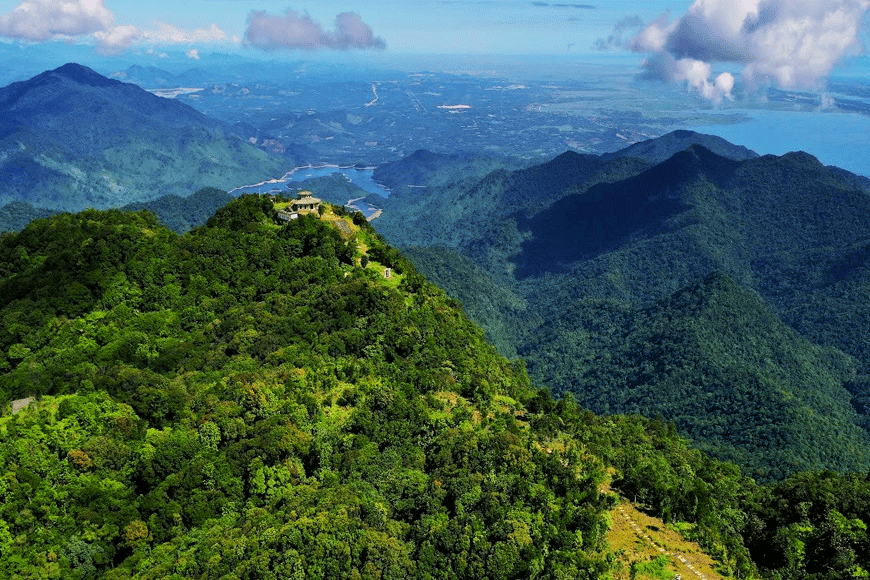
(718, 362)
(249, 395)
(255, 399)
(580, 247)
(71, 138)
(179, 214)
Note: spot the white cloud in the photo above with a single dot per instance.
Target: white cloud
(791, 43)
(116, 40)
(174, 35)
(41, 20)
(193, 54)
(301, 32)
(44, 19)
(697, 74)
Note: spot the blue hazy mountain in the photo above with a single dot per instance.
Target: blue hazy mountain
(72, 138)
(662, 148)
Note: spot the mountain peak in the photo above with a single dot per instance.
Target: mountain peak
(802, 158)
(81, 74)
(137, 145)
(661, 148)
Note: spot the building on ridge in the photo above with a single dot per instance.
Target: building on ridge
(306, 203)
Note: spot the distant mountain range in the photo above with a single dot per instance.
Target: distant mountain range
(71, 138)
(153, 77)
(596, 270)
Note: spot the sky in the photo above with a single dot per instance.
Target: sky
(421, 26)
(707, 45)
(726, 51)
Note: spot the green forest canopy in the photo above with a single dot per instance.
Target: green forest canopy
(248, 401)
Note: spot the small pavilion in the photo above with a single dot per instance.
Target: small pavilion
(305, 204)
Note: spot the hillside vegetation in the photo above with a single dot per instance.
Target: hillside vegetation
(255, 399)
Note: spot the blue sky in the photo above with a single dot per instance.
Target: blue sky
(709, 45)
(419, 26)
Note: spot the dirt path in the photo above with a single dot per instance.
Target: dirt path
(640, 538)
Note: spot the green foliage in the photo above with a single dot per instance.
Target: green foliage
(715, 359)
(812, 525)
(655, 568)
(15, 215)
(244, 400)
(181, 214)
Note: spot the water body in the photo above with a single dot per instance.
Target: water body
(362, 177)
(835, 138)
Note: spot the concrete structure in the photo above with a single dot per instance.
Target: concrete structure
(306, 203)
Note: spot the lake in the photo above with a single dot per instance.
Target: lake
(361, 177)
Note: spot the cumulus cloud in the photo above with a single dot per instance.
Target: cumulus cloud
(791, 43)
(695, 73)
(193, 54)
(116, 40)
(39, 20)
(119, 38)
(301, 32)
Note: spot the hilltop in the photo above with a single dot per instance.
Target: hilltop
(261, 383)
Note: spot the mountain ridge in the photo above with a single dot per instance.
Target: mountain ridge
(254, 390)
(73, 138)
(589, 247)
(659, 149)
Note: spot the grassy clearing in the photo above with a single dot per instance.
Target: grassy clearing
(646, 548)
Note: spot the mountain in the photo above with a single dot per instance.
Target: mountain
(16, 215)
(255, 398)
(466, 195)
(660, 149)
(252, 381)
(179, 214)
(182, 214)
(154, 77)
(580, 248)
(72, 138)
(425, 168)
